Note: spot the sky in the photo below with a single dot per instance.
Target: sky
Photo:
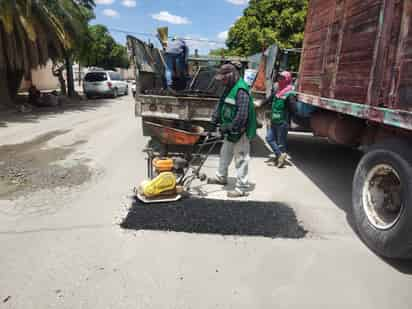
(196, 19)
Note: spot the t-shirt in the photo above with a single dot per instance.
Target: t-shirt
(177, 47)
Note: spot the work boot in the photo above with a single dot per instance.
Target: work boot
(217, 181)
(271, 158)
(236, 193)
(282, 160)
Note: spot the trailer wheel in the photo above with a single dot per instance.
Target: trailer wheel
(382, 199)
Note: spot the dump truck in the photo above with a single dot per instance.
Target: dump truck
(195, 104)
(356, 75)
(192, 105)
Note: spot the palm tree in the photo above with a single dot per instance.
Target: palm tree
(35, 31)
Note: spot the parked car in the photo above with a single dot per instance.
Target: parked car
(134, 88)
(104, 83)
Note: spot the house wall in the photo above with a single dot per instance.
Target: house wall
(42, 78)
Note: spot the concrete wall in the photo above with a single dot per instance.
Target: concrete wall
(127, 74)
(45, 81)
(42, 78)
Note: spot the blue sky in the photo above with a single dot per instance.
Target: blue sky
(197, 19)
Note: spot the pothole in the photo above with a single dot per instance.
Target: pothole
(30, 166)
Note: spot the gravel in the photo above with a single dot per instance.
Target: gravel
(31, 166)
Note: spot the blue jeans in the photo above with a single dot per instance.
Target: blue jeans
(277, 136)
(174, 63)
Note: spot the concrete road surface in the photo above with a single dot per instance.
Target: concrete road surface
(65, 187)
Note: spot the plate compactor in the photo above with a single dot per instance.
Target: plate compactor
(170, 174)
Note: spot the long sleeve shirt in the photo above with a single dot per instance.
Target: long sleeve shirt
(242, 102)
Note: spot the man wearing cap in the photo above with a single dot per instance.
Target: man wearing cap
(237, 117)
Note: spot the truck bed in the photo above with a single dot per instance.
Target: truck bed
(182, 107)
(357, 59)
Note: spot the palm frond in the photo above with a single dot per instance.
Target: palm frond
(34, 31)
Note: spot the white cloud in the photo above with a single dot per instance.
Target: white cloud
(170, 18)
(202, 44)
(104, 2)
(129, 3)
(238, 2)
(223, 35)
(110, 13)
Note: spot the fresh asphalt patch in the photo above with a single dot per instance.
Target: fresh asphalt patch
(223, 217)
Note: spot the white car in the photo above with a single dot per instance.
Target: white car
(104, 83)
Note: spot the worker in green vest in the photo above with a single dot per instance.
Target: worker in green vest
(277, 131)
(236, 116)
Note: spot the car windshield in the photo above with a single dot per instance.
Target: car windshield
(96, 77)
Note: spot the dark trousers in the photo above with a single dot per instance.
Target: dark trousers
(175, 70)
(276, 137)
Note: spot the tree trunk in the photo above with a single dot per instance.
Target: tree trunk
(14, 82)
(70, 79)
(9, 88)
(62, 82)
(57, 71)
(80, 75)
(4, 90)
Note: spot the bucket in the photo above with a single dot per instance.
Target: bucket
(250, 76)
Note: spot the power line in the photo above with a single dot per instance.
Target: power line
(132, 32)
(170, 37)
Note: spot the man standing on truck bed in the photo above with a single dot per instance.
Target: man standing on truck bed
(176, 55)
(237, 117)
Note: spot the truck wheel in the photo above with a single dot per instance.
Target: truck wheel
(382, 199)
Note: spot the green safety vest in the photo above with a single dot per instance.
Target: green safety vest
(279, 107)
(228, 111)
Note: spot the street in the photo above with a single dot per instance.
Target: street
(72, 236)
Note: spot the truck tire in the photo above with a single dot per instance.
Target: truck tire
(382, 199)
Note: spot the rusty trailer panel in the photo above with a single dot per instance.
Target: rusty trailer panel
(358, 51)
(175, 108)
(391, 117)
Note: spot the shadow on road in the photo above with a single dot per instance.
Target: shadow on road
(223, 217)
(331, 168)
(38, 113)
(259, 149)
(404, 266)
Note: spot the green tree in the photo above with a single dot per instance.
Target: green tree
(266, 22)
(101, 50)
(219, 52)
(33, 32)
